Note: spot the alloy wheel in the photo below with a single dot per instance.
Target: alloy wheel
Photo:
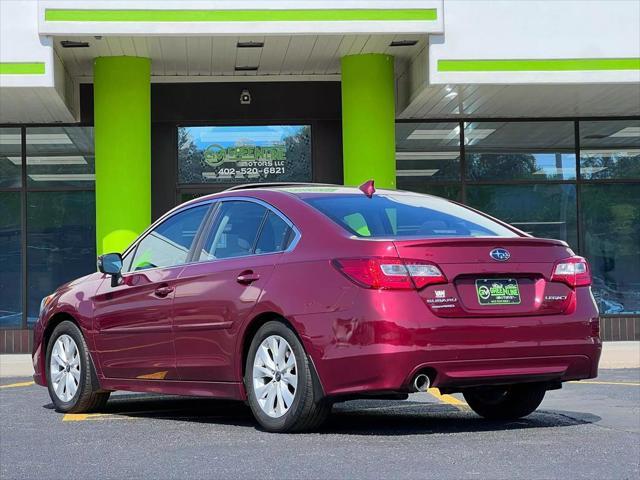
(275, 376)
(64, 368)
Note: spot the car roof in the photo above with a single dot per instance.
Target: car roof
(304, 189)
(299, 190)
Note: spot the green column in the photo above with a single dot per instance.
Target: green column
(368, 119)
(122, 117)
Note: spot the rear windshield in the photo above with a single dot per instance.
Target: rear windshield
(388, 215)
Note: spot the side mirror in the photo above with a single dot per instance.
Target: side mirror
(111, 264)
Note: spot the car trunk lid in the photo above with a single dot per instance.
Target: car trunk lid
(492, 276)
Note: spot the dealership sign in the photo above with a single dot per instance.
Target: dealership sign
(244, 153)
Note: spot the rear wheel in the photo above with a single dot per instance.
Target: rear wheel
(279, 381)
(505, 403)
(71, 379)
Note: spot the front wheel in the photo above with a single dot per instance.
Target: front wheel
(71, 380)
(505, 403)
(279, 382)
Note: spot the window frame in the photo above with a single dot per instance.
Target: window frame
(133, 248)
(268, 208)
(207, 223)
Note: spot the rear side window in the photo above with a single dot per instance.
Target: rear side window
(234, 231)
(276, 235)
(405, 216)
(169, 243)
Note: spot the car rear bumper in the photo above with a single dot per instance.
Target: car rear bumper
(471, 373)
(384, 344)
(395, 371)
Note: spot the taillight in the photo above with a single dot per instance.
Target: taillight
(388, 273)
(573, 271)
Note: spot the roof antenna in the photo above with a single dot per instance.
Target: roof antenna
(368, 188)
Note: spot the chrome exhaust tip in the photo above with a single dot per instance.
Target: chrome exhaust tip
(421, 383)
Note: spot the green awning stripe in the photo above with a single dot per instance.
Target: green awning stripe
(298, 15)
(21, 68)
(537, 65)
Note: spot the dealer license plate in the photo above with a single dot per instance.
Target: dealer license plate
(498, 291)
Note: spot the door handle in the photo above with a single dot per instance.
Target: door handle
(163, 291)
(247, 277)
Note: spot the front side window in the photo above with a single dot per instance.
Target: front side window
(234, 231)
(406, 216)
(169, 243)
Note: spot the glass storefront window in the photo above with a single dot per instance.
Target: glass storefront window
(244, 154)
(60, 156)
(611, 226)
(61, 242)
(450, 192)
(520, 150)
(427, 152)
(610, 149)
(10, 261)
(10, 157)
(546, 211)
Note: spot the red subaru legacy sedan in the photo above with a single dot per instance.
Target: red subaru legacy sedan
(294, 297)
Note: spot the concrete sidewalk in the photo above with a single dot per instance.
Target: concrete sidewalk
(620, 355)
(614, 355)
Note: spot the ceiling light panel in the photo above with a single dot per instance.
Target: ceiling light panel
(478, 133)
(66, 177)
(427, 155)
(48, 139)
(417, 173)
(419, 134)
(627, 132)
(10, 139)
(69, 160)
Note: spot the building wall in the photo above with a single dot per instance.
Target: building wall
(185, 104)
(536, 42)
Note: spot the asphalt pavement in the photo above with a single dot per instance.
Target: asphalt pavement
(586, 430)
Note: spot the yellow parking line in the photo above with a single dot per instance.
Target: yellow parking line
(79, 417)
(20, 384)
(449, 399)
(630, 384)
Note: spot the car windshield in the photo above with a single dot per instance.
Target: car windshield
(389, 215)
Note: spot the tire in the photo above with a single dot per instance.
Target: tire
(505, 403)
(87, 395)
(303, 408)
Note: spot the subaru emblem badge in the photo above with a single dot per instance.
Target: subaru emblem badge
(500, 254)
